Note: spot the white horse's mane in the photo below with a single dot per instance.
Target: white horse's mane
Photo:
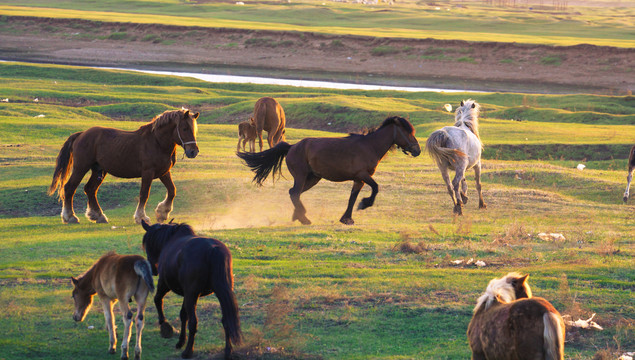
(467, 114)
(498, 290)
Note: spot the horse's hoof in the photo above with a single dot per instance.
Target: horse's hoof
(187, 354)
(347, 221)
(111, 351)
(464, 198)
(72, 220)
(458, 210)
(625, 199)
(482, 206)
(167, 331)
(102, 219)
(180, 343)
(365, 203)
(124, 358)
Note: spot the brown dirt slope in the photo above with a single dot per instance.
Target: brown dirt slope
(493, 66)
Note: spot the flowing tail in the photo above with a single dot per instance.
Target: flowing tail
(143, 269)
(554, 336)
(223, 285)
(436, 145)
(263, 163)
(63, 167)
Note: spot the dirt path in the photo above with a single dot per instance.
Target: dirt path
(387, 61)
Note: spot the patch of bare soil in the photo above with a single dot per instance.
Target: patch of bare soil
(491, 66)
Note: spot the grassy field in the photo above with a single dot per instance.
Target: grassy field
(610, 25)
(384, 288)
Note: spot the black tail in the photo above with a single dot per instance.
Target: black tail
(223, 285)
(64, 164)
(263, 163)
(143, 269)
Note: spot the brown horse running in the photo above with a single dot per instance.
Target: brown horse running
(629, 177)
(115, 278)
(510, 324)
(148, 153)
(247, 133)
(336, 159)
(269, 116)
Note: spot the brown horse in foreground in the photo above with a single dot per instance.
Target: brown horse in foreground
(247, 133)
(148, 153)
(629, 177)
(115, 278)
(269, 116)
(336, 159)
(510, 324)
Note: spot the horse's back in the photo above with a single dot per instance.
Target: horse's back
(269, 115)
(466, 141)
(116, 274)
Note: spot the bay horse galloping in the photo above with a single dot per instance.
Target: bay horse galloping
(192, 266)
(459, 148)
(629, 177)
(148, 152)
(115, 278)
(247, 133)
(269, 116)
(509, 324)
(354, 157)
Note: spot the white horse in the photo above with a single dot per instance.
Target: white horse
(629, 177)
(459, 148)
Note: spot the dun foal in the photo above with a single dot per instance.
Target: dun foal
(510, 324)
(115, 278)
(247, 133)
(629, 177)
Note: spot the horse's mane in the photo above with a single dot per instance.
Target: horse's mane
(389, 120)
(161, 235)
(498, 290)
(467, 114)
(165, 118)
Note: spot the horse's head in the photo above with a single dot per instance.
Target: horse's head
(156, 238)
(83, 298)
(404, 135)
(186, 130)
(510, 287)
(520, 285)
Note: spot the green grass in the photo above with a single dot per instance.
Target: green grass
(609, 26)
(326, 290)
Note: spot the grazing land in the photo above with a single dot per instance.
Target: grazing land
(385, 288)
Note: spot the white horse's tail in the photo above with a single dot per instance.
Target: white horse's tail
(436, 145)
(554, 336)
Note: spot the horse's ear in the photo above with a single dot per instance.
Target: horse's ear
(523, 279)
(74, 280)
(145, 225)
(473, 105)
(462, 103)
(186, 114)
(171, 221)
(196, 116)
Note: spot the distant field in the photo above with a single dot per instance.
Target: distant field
(383, 288)
(610, 25)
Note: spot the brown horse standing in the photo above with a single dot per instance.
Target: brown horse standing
(629, 177)
(510, 324)
(269, 116)
(336, 159)
(247, 133)
(115, 278)
(148, 153)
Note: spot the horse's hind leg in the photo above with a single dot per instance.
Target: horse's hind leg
(110, 324)
(140, 213)
(189, 303)
(299, 212)
(167, 331)
(477, 175)
(446, 178)
(464, 197)
(165, 207)
(68, 214)
(456, 184)
(260, 139)
(183, 334)
(629, 177)
(347, 218)
(141, 299)
(93, 210)
(127, 330)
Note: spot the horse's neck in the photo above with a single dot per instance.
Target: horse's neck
(381, 140)
(164, 138)
(86, 281)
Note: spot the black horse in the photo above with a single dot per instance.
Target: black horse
(191, 266)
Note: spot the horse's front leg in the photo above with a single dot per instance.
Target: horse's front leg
(167, 331)
(127, 330)
(165, 207)
(477, 175)
(369, 201)
(189, 303)
(107, 304)
(140, 214)
(629, 177)
(347, 218)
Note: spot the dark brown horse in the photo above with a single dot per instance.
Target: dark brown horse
(269, 116)
(247, 133)
(629, 177)
(336, 159)
(510, 324)
(192, 266)
(115, 278)
(148, 153)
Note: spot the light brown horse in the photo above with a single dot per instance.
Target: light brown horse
(629, 177)
(510, 324)
(336, 159)
(247, 133)
(115, 278)
(148, 153)
(269, 116)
